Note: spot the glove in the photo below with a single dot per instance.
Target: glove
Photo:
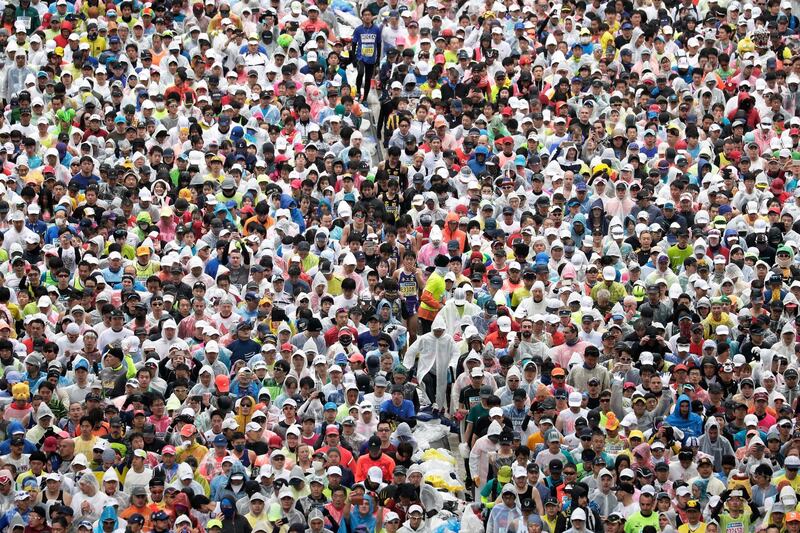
(463, 449)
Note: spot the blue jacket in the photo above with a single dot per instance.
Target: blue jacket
(16, 427)
(692, 426)
(367, 43)
(287, 202)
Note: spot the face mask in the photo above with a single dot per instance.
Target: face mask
(239, 447)
(345, 341)
(317, 465)
(228, 512)
(160, 106)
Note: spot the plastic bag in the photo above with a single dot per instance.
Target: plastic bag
(471, 519)
(438, 454)
(442, 475)
(430, 431)
(451, 526)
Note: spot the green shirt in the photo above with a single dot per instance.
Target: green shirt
(678, 255)
(617, 291)
(636, 522)
(729, 524)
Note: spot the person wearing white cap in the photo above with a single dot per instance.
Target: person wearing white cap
(457, 309)
(18, 232)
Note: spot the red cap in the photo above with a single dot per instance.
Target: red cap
(287, 347)
(678, 368)
(331, 430)
(168, 450)
(223, 383)
(138, 412)
(356, 358)
(525, 60)
(50, 444)
(629, 385)
(48, 170)
(439, 59)
(507, 112)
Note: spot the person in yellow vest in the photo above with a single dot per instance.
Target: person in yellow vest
(694, 523)
(433, 293)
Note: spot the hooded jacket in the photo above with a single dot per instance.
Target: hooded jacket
(592, 224)
(692, 425)
(435, 355)
(716, 448)
(228, 491)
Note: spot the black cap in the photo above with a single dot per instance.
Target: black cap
(374, 442)
(556, 465)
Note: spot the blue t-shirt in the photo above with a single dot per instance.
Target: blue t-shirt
(405, 411)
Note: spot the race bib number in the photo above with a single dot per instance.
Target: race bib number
(26, 21)
(735, 527)
(368, 45)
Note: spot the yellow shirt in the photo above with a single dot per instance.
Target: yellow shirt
(85, 446)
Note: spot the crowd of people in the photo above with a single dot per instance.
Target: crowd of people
(251, 252)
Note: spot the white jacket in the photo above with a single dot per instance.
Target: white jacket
(435, 354)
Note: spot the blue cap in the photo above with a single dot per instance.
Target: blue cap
(220, 440)
(120, 120)
(627, 26)
(519, 26)
(82, 363)
(224, 119)
(669, 205)
(113, 39)
(41, 74)
(519, 161)
(237, 132)
(633, 146)
(330, 406)
(580, 186)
